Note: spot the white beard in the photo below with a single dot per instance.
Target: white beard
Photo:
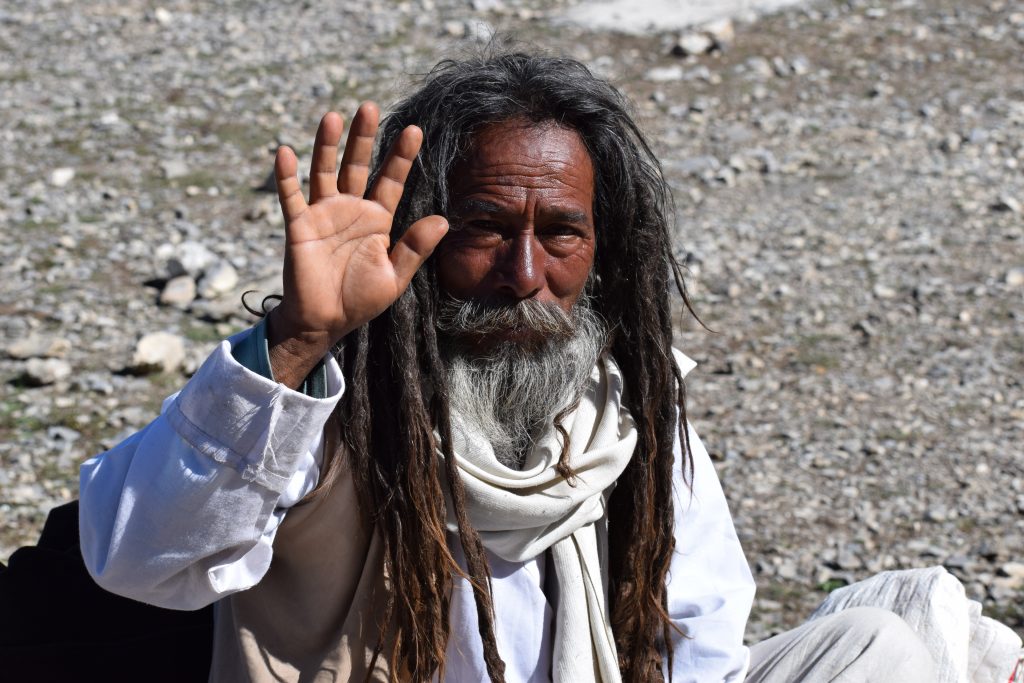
(512, 392)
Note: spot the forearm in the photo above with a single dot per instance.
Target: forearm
(185, 511)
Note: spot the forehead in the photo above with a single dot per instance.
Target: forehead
(514, 157)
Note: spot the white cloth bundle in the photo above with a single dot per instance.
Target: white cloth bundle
(966, 646)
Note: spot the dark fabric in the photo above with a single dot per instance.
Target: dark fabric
(56, 624)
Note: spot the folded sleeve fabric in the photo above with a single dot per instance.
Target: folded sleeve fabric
(710, 586)
(185, 511)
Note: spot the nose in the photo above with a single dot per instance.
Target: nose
(521, 272)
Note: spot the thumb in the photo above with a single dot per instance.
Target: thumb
(415, 247)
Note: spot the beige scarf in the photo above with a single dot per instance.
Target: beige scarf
(522, 513)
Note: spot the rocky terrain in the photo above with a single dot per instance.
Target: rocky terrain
(849, 179)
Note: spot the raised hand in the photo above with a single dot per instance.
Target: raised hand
(339, 272)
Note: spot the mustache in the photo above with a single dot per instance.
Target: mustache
(462, 318)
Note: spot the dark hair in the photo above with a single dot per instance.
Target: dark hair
(388, 415)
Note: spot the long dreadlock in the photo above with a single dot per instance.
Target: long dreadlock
(397, 393)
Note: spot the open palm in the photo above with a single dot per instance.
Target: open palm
(339, 269)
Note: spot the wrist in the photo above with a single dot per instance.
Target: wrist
(294, 352)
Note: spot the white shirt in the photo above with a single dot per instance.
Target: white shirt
(185, 511)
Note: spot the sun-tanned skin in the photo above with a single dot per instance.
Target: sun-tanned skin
(522, 203)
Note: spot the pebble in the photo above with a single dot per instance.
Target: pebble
(1015, 277)
(43, 371)
(38, 346)
(693, 43)
(189, 258)
(1007, 203)
(174, 168)
(179, 291)
(220, 278)
(59, 177)
(158, 352)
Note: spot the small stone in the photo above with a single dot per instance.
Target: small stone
(174, 168)
(1014, 571)
(781, 67)
(38, 346)
(158, 352)
(1007, 203)
(42, 371)
(219, 279)
(800, 66)
(455, 29)
(884, 291)
(59, 177)
(190, 258)
(179, 291)
(721, 31)
(759, 66)
(664, 74)
(1014, 278)
(163, 16)
(692, 44)
(951, 143)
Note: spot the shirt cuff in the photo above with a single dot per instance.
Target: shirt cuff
(249, 422)
(253, 352)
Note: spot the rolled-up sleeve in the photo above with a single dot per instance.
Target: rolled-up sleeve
(185, 511)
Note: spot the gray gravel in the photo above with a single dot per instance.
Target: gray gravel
(849, 191)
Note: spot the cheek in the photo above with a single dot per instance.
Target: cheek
(568, 276)
(460, 271)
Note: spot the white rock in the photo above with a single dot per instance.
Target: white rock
(721, 31)
(219, 279)
(163, 16)
(179, 291)
(42, 371)
(455, 29)
(693, 44)
(884, 291)
(158, 352)
(760, 66)
(1007, 203)
(664, 74)
(38, 346)
(1015, 277)
(190, 258)
(174, 168)
(59, 177)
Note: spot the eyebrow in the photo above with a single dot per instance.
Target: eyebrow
(467, 206)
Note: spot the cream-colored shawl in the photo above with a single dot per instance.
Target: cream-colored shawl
(522, 513)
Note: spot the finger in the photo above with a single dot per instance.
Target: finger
(388, 188)
(415, 247)
(355, 163)
(289, 193)
(325, 158)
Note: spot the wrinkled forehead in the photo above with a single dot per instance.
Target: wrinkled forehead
(524, 153)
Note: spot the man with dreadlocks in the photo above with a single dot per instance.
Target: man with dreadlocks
(492, 476)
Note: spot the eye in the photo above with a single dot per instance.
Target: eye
(481, 225)
(561, 230)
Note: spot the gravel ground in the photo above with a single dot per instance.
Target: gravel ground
(849, 193)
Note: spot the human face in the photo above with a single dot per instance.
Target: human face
(521, 209)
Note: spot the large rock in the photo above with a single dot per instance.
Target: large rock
(158, 352)
(179, 292)
(218, 279)
(190, 258)
(38, 346)
(42, 371)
